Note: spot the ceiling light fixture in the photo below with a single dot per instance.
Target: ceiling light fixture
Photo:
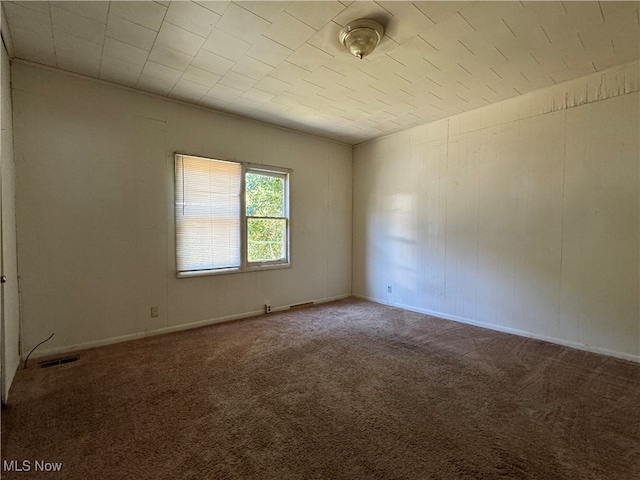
(361, 37)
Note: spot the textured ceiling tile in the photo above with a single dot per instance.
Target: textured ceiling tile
(626, 45)
(267, 10)
(213, 101)
(479, 15)
(115, 67)
(125, 52)
(536, 79)
(24, 18)
(214, 5)
(237, 81)
(251, 68)
(338, 92)
(327, 39)
(544, 11)
(162, 72)
(362, 10)
(211, 62)
(449, 30)
(309, 57)
(512, 74)
(394, 6)
(263, 115)
(85, 65)
(287, 98)
(527, 31)
(368, 95)
(225, 45)
(289, 31)
(577, 59)
(305, 90)
(350, 104)
(118, 71)
(77, 25)
(406, 24)
(315, 14)
(225, 92)
(412, 52)
(257, 96)
(269, 52)
(607, 62)
(598, 43)
(33, 46)
(97, 11)
(570, 43)
(42, 7)
(547, 63)
(324, 77)
(179, 39)
(574, 72)
(146, 14)
(242, 23)
(245, 103)
(74, 46)
(615, 12)
(438, 11)
(517, 52)
(288, 72)
(344, 63)
(374, 67)
(506, 9)
(274, 108)
(170, 57)
(483, 53)
(131, 33)
(202, 77)
(192, 17)
(557, 32)
(156, 85)
(355, 81)
(584, 14)
(272, 85)
(188, 91)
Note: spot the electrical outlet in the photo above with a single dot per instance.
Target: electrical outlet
(154, 312)
(388, 288)
(267, 308)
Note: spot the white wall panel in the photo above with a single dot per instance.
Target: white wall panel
(522, 216)
(95, 207)
(11, 303)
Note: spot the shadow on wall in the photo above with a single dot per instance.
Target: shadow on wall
(515, 225)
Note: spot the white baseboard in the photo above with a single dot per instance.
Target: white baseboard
(174, 328)
(513, 331)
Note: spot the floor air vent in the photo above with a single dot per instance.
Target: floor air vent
(57, 361)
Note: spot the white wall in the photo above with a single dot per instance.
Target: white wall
(95, 211)
(522, 216)
(11, 313)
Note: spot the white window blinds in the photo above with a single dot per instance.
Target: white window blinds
(207, 214)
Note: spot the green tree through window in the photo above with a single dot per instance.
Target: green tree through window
(265, 199)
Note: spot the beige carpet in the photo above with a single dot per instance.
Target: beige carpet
(346, 390)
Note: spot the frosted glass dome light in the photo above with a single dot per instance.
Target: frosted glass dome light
(361, 37)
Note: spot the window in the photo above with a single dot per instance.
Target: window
(230, 216)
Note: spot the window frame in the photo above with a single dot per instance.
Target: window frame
(245, 265)
(273, 172)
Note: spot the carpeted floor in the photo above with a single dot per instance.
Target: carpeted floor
(345, 390)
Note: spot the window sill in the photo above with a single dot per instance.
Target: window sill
(227, 271)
